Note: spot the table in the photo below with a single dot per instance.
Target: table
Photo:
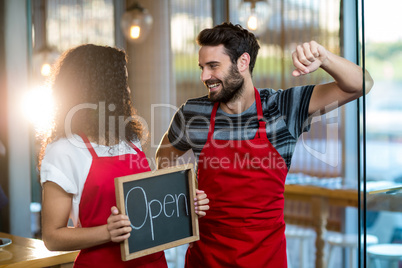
(320, 199)
(28, 252)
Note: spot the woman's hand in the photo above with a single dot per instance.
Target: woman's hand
(118, 225)
(201, 203)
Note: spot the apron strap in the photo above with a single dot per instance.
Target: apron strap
(92, 151)
(88, 145)
(212, 123)
(262, 124)
(134, 147)
(258, 104)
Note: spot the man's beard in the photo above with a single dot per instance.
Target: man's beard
(232, 86)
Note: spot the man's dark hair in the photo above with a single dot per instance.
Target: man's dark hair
(234, 38)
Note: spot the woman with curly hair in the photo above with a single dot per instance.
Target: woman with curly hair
(95, 139)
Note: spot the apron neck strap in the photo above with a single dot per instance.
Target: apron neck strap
(258, 104)
(262, 124)
(88, 145)
(212, 123)
(134, 147)
(92, 150)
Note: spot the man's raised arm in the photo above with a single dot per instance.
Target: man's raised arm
(348, 84)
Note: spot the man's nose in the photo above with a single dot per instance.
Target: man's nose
(205, 75)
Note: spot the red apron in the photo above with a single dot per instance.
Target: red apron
(244, 181)
(98, 196)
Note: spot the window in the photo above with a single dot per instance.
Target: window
(291, 22)
(188, 18)
(71, 23)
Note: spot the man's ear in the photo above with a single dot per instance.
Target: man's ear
(243, 62)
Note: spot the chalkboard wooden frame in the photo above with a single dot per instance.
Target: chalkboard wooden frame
(121, 185)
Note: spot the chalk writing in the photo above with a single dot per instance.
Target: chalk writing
(154, 207)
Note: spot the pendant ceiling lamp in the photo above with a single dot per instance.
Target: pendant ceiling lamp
(43, 55)
(136, 23)
(254, 15)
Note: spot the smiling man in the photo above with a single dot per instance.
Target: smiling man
(231, 85)
(244, 138)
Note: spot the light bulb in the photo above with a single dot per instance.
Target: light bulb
(42, 60)
(252, 22)
(135, 31)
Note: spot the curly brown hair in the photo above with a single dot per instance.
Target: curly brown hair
(90, 91)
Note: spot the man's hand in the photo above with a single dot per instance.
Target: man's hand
(201, 203)
(308, 57)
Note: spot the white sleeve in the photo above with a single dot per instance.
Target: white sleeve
(50, 172)
(58, 166)
(67, 165)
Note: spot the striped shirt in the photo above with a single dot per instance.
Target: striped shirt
(284, 111)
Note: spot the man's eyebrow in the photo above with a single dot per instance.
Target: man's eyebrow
(209, 62)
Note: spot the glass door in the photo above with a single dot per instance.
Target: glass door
(381, 208)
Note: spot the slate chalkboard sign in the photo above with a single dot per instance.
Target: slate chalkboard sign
(160, 207)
